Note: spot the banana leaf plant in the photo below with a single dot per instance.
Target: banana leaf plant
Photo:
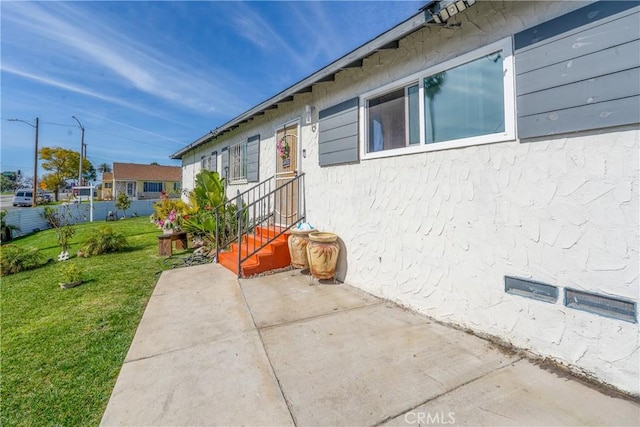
(207, 197)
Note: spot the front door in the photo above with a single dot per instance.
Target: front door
(286, 199)
(131, 189)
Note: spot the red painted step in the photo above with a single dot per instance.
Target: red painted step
(273, 256)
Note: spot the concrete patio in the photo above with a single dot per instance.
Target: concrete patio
(282, 350)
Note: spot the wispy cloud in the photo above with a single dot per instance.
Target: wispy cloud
(264, 34)
(111, 50)
(64, 85)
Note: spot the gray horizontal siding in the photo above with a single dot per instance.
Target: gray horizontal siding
(565, 24)
(253, 158)
(581, 43)
(611, 60)
(594, 116)
(334, 139)
(338, 139)
(588, 78)
(338, 157)
(598, 89)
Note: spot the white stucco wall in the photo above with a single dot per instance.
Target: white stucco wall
(438, 231)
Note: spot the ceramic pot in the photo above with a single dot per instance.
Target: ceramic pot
(322, 252)
(298, 240)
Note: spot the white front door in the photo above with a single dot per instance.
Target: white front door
(131, 189)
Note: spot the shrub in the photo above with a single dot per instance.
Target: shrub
(51, 216)
(14, 259)
(70, 272)
(104, 240)
(60, 219)
(168, 212)
(123, 202)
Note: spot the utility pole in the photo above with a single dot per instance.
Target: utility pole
(35, 159)
(81, 150)
(35, 167)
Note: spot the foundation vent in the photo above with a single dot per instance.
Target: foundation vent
(531, 289)
(616, 308)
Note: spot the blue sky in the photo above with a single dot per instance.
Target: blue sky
(147, 78)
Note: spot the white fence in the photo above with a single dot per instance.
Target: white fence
(32, 219)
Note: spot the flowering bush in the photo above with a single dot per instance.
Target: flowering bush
(170, 222)
(282, 148)
(169, 213)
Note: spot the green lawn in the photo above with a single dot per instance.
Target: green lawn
(61, 350)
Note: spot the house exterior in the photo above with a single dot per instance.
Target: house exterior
(141, 181)
(484, 171)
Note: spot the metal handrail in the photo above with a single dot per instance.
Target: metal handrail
(263, 206)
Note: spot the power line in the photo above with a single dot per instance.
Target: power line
(59, 124)
(103, 132)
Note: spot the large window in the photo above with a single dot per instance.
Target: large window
(238, 162)
(465, 101)
(152, 187)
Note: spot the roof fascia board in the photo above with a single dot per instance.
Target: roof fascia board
(381, 42)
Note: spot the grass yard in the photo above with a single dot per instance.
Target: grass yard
(62, 350)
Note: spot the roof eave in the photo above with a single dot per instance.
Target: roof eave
(386, 40)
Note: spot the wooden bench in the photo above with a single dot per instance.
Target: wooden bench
(165, 247)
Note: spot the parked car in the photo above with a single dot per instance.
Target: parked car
(24, 197)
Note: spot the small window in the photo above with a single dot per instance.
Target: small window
(176, 186)
(468, 100)
(238, 162)
(393, 119)
(108, 185)
(152, 187)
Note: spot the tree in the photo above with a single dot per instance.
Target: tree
(123, 202)
(62, 164)
(6, 184)
(104, 168)
(88, 172)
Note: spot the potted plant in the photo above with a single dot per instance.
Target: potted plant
(322, 252)
(298, 240)
(71, 275)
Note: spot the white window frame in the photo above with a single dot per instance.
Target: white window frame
(241, 150)
(509, 134)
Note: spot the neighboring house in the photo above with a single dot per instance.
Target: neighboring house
(482, 172)
(141, 181)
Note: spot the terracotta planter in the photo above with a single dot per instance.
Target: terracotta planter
(322, 251)
(298, 240)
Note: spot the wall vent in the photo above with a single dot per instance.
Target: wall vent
(530, 289)
(616, 308)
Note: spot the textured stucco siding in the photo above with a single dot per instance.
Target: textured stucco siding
(438, 231)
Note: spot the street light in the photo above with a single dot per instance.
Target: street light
(81, 150)
(35, 159)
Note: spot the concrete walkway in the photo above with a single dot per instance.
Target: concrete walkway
(279, 350)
